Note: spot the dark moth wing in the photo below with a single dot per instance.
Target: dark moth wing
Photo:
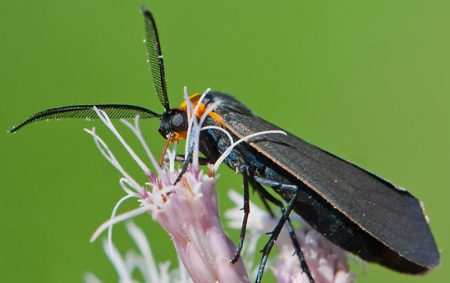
(371, 210)
(87, 112)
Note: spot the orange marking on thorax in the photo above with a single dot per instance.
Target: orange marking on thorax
(201, 109)
(177, 136)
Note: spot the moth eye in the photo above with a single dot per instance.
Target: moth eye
(177, 120)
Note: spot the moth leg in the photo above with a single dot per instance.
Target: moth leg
(186, 160)
(276, 185)
(184, 167)
(182, 158)
(298, 251)
(266, 195)
(246, 209)
(276, 231)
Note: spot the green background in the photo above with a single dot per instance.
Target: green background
(367, 81)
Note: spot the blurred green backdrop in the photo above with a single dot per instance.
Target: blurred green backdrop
(367, 81)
